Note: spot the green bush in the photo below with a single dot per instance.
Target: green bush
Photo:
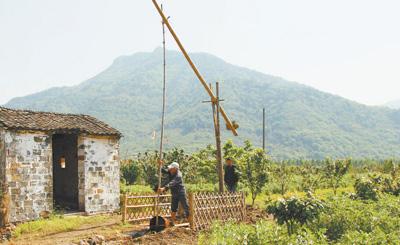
(295, 211)
(343, 216)
(130, 171)
(261, 233)
(366, 189)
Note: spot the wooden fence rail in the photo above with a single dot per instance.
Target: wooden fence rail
(205, 208)
(143, 207)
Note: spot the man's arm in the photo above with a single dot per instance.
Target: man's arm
(177, 180)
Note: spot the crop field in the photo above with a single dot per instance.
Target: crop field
(330, 201)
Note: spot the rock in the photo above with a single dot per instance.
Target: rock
(45, 214)
(83, 242)
(99, 238)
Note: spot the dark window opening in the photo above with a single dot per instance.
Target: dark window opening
(65, 172)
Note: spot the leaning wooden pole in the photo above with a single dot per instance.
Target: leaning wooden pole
(194, 68)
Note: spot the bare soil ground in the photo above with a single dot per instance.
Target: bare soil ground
(114, 232)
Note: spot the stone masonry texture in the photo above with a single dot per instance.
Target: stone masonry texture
(98, 168)
(28, 174)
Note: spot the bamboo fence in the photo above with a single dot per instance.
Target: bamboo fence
(205, 208)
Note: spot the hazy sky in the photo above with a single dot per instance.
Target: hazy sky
(346, 47)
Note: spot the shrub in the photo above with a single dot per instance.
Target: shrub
(130, 171)
(295, 211)
(366, 189)
(261, 233)
(343, 216)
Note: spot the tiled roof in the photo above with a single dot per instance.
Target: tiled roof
(54, 122)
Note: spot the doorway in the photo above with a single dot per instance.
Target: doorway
(65, 172)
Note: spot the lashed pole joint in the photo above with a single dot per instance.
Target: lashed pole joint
(194, 68)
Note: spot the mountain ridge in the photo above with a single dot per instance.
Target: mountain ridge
(303, 122)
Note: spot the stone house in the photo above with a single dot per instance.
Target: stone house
(50, 160)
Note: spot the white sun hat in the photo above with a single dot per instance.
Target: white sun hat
(173, 165)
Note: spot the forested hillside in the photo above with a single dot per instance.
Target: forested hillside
(302, 122)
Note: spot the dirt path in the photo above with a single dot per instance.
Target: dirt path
(114, 232)
(112, 228)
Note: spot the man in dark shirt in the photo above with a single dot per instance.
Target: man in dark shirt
(178, 191)
(231, 176)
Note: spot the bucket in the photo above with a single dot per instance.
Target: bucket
(162, 224)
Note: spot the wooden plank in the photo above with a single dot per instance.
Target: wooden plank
(124, 208)
(191, 210)
(147, 205)
(150, 196)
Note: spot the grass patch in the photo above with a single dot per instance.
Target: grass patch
(136, 189)
(56, 224)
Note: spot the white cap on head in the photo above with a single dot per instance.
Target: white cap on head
(173, 165)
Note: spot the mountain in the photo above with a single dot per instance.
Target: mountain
(393, 104)
(302, 122)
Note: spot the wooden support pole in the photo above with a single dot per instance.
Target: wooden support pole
(217, 130)
(124, 208)
(218, 143)
(263, 142)
(191, 211)
(243, 196)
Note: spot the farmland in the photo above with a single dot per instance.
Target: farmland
(326, 201)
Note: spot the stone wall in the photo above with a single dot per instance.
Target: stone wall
(4, 198)
(2, 157)
(28, 174)
(98, 168)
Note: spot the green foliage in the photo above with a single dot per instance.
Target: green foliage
(343, 218)
(370, 187)
(311, 177)
(130, 171)
(136, 189)
(304, 122)
(335, 171)
(341, 221)
(366, 189)
(256, 171)
(261, 233)
(295, 211)
(283, 176)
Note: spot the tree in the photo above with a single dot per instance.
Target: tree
(130, 171)
(311, 176)
(283, 175)
(335, 171)
(256, 171)
(295, 211)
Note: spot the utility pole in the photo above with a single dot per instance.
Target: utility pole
(263, 141)
(216, 110)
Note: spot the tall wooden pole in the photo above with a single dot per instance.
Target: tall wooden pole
(162, 121)
(218, 143)
(217, 129)
(263, 142)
